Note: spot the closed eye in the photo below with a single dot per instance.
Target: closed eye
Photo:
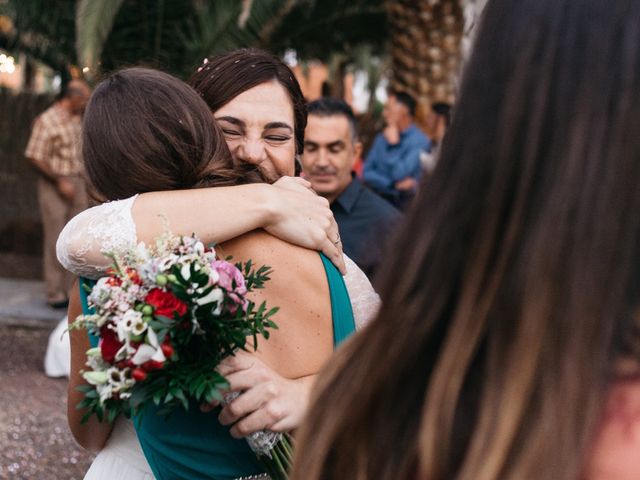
(277, 138)
(231, 133)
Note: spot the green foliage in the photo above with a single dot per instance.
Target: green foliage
(317, 29)
(175, 35)
(44, 30)
(94, 21)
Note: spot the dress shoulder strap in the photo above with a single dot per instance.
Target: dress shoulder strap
(343, 322)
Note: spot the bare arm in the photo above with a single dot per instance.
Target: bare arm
(91, 435)
(287, 209)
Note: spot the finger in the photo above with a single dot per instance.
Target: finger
(245, 379)
(234, 363)
(336, 256)
(251, 423)
(259, 410)
(302, 181)
(242, 406)
(296, 184)
(334, 253)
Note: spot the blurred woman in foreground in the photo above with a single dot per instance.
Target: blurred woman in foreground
(508, 344)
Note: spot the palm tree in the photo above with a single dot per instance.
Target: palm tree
(425, 42)
(184, 32)
(46, 38)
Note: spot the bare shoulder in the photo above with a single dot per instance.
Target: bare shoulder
(263, 248)
(299, 288)
(615, 453)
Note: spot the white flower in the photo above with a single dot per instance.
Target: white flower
(96, 378)
(119, 379)
(214, 276)
(151, 351)
(139, 327)
(97, 320)
(185, 271)
(128, 323)
(94, 352)
(165, 263)
(152, 338)
(215, 295)
(144, 354)
(96, 363)
(142, 253)
(105, 391)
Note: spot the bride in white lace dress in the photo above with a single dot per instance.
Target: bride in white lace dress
(121, 224)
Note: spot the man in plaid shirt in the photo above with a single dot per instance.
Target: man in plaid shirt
(54, 149)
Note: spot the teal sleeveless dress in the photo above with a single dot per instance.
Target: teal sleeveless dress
(192, 445)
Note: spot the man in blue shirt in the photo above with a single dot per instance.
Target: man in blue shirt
(393, 165)
(331, 148)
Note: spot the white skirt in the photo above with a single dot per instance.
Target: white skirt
(121, 457)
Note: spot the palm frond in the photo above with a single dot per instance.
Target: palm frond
(94, 21)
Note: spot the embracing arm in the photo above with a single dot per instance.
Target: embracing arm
(93, 434)
(287, 209)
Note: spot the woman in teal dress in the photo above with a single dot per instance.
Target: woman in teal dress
(180, 147)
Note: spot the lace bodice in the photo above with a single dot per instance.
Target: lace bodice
(110, 228)
(105, 228)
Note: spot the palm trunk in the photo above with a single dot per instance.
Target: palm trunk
(425, 49)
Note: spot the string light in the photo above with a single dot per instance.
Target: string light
(7, 63)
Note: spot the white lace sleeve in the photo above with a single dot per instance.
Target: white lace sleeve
(105, 228)
(365, 302)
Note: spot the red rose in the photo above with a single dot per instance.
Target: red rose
(151, 365)
(167, 349)
(139, 374)
(165, 303)
(109, 344)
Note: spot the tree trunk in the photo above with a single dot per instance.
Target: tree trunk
(425, 49)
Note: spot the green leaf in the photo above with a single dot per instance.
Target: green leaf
(94, 21)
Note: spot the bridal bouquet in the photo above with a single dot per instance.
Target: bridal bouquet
(165, 317)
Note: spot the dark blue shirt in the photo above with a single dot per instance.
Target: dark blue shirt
(365, 221)
(389, 163)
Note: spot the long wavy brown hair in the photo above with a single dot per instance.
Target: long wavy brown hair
(509, 296)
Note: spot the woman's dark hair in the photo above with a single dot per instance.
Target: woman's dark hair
(145, 131)
(223, 77)
(510, 294)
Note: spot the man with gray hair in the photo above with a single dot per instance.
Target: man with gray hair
(331, 148)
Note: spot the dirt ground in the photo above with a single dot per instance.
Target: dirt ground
(35, 442)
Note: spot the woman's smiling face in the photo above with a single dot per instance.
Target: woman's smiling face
(258, 126)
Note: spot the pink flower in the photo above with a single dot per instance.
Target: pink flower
(232, 280)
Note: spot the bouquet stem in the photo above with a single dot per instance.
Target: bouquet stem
(278, 460)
